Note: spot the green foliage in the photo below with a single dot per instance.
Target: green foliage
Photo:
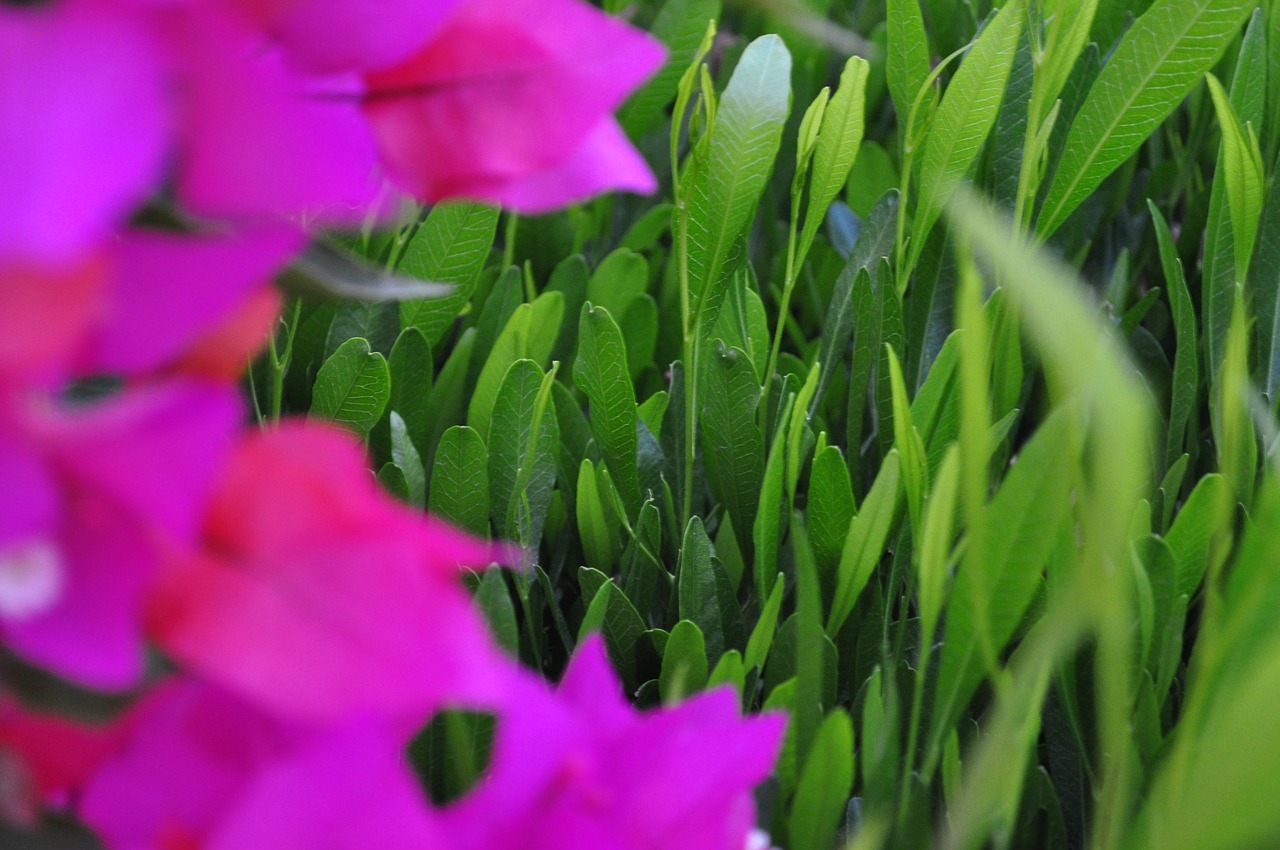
(941, 409)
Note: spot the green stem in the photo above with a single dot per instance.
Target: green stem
(784, 306)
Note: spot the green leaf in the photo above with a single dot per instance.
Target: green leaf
(705, 595)
(837, 145)
(732, 445)
(352, 387)
(831, 507)
(766, 532)
(529, 334)
(494, 599)
(679, 25)
(684, 663)
(1159, 60)
(907, 63)
(630, 650)
(1245, 182)
(450, 246)
(744, 142)
(1186, 380)
(915, 474)
(411, 370)
(864, 544)
(808, 708)
(405, 456)
(1195, 529)
(824, 787)
(996, 582)
(1222, 272)
(601, 372)
(522, 453)
(965, 116)
(875, 242)
(936, 533)
(460, 480)
(620, 278)
(766, 627)
(598, 526)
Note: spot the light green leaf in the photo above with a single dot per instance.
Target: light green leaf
(965, 116)
(826, 780)
(601, 372)
(352, 387)
(864, 544)
(996, 582)
(744, 142)
(450, 246)
(1159, 60)
(460, 480)
(837, 145)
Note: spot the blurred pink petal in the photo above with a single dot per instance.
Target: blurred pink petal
(199, 768)
(49, 754)
(605, 161)
(115, 482)
(320, 597)
(45, 311)
(575, 770)
(260, 141)
(83, 123)
(342, 35)
(165, 291)
(349, 789)
(507, 90)
(187, 754)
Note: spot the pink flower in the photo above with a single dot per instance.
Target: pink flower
(91, 497)
(320, 598)
(511, 103)
(44, 756)
(140, 303)
(84, 124)
(579, 769)
(199, 769)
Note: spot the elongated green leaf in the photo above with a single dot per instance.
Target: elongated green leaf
(404, 454)
(411, 370)
(732, 444)
(705, 595)
(1221, 250)
(353, 386)
(1159, 60)
(907, 63)
(598, 526)
(1242, 162)
(915, 474)
(831, 508)
(601, 372)
(1263, 275)
(864, 544)
(875, 242)
(529, 334)
(451, 246)
(965, 117)
(826, 781)
(522, 453)
(460, 480)
(1185, 364)
(744, 143)
(995, 584)
(839, 138)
